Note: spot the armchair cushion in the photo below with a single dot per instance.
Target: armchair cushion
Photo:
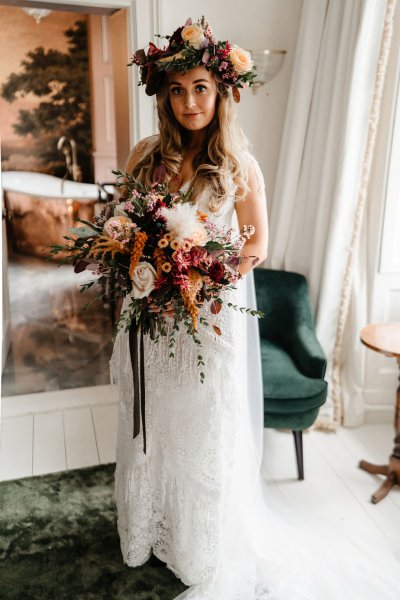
(286, 389)
(293, 361)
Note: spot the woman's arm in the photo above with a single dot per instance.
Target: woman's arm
(253, 211)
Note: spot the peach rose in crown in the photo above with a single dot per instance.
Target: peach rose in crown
(241, 59)
(193, 34)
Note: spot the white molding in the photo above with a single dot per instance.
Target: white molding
(109, 110)
(141, 106)
(105, 46)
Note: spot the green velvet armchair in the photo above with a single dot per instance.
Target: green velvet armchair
(293, 361)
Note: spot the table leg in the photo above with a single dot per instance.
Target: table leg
(374, 469)
(392, 470)
(384, 489)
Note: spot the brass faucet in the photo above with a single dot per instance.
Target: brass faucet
(68, 147)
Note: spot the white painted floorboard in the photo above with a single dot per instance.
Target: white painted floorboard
(16, 450)
(80, 439)
(48, 443)
(105, 420)
(71, 437)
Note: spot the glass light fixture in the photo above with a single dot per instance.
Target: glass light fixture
(268, 63)
(37, 13)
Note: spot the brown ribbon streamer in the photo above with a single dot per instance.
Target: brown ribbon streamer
(136, 349)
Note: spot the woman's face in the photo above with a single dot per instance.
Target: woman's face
(193, 97)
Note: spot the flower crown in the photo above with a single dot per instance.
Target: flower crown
(190, 46)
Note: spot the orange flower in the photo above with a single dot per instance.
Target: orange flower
(104, 244)
(189, 296)
(186, 246)
(190, 307)
(163, 243)
(202, 216)
(174, 244)
(166, 267)
(159, 259)
(196, 283)
(137, 250)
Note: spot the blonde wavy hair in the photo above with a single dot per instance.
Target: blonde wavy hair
(216, 166)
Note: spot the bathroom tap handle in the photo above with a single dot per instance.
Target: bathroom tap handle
(102, 188)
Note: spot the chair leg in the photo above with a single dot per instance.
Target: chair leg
(298, 442)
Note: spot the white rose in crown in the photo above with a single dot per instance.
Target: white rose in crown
(241, 59)
(194, 35)
(144, 276)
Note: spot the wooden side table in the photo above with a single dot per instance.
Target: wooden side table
(385, 338)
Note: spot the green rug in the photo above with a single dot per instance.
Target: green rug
(59, 539)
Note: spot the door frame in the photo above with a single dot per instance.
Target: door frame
(142, 115)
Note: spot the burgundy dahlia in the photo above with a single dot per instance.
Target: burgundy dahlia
(217, 271)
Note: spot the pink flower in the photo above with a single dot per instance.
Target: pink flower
(181, 280)
(160, 282)
(197, 254)
(182, 260)
(153, 49)
(206, 57)
(248, 231)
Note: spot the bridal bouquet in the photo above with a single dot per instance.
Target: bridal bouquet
(164, 254)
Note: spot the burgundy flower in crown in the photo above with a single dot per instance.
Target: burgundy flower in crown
(191, 45)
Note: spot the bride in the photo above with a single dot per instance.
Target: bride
(196, 498)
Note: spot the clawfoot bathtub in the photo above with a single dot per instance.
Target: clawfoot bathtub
(42, 208)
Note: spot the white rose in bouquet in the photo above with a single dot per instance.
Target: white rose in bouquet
(144, 276)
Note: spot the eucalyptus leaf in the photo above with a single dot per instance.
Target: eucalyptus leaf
(84, 232)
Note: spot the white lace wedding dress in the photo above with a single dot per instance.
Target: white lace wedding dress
(196, 499)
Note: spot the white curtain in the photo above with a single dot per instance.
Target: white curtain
(322, 176)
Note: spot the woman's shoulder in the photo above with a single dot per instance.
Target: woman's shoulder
(251, 169)
(144, 146)
(252, 164)
(247, 157)
(147, 143)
